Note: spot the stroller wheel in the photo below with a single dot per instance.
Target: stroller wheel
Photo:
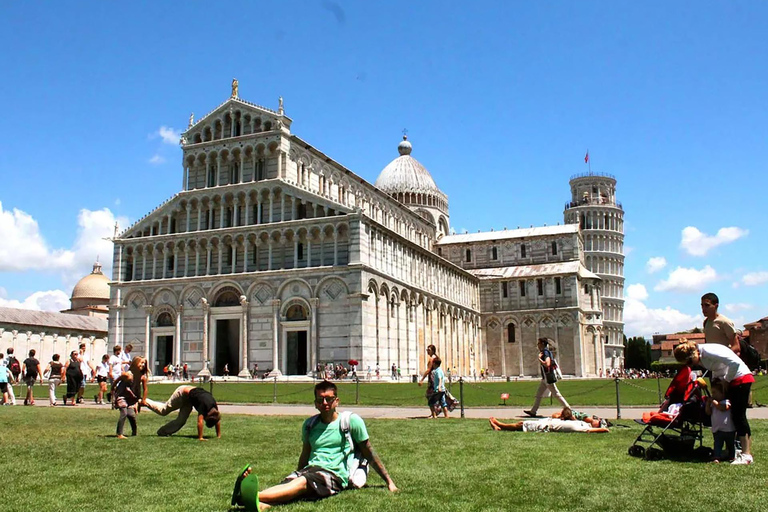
(654, 454)
(636, 451)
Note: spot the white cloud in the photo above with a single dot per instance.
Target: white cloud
(741, 306)
(636, 292)
(697, 243)
(640, 320)
(655, 264)
(51, 300)
(687, 280)
(169, 135)
(24, 248)
(628, 250)
(754, 278)
(156, 160)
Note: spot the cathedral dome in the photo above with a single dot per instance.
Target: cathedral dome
(405, 174)
(93, 286)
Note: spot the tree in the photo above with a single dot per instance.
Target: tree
(637, 353)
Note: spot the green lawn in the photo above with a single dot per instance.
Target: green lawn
(68, 459)
(476, 394)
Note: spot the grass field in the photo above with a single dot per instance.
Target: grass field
(476, 394)
(67, 459)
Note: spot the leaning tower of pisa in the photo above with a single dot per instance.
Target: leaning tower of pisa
(594, 207)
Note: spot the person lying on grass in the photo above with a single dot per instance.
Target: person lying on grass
(323, 464)
(550, 425)
(184, 399)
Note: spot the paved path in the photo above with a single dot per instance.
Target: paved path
(510, 412)
(629, 413)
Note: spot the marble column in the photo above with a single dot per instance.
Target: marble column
(177, 338)
(147, 331)
(275, 337)
(244, 349)
(313, 334)
(205, 372)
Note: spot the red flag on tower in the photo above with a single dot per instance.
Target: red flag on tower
(586, 157)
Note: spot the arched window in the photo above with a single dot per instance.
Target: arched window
(227, 297)
(211, 177)
(511, 333)
(164, 320)
(295, 313)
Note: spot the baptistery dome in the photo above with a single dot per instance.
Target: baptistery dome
(91, 292)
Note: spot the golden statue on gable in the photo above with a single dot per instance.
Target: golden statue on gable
(234, 88)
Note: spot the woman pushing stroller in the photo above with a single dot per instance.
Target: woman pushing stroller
(724, 364)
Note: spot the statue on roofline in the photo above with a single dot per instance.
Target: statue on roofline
(234, 88)
(191, 120)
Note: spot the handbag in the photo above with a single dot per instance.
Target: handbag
(550, 374)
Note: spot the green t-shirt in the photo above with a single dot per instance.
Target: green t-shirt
(329, 445)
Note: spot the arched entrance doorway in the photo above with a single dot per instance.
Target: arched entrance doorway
(163, 332)
(225, 339)
(295, 353)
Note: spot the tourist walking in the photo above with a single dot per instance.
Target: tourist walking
(431, 356)
(74, 376)
(548, 378)
(5, 376)
(103, 371)
(55, 371)
(31, 371)
(86, 367)
(14, 366)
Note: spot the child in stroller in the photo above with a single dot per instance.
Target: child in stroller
(676, 429)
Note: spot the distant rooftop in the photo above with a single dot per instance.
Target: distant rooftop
(43, 319)
(486, 236)
(525, 271)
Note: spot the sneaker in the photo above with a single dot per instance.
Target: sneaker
(80, 400)
(743, 459)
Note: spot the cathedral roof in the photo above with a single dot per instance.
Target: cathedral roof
(487, 236)
(406, 174)
(93, 286)
(542, 270)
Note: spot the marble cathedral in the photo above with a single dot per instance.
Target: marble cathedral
(275, 254)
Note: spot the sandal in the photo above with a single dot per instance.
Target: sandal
(246, 491)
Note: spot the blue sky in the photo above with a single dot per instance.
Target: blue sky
(501, 101)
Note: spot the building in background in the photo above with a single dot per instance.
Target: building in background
(274, 253)
(60, 333)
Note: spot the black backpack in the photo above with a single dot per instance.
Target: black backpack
(14, 366)
(749, 355)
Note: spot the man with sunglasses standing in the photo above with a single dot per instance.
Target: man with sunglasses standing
(323, 464)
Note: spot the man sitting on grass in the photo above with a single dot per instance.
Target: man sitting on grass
(323, 464)
(560, 422)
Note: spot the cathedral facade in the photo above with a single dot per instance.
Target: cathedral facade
(275, 254)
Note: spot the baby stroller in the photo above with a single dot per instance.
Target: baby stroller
(677, 432)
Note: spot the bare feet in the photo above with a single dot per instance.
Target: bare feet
(121, 436)
(493, 422)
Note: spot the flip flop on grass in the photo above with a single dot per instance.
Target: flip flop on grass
(246, 491)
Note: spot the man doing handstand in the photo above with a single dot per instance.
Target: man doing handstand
(184, 399)
(322, 469)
